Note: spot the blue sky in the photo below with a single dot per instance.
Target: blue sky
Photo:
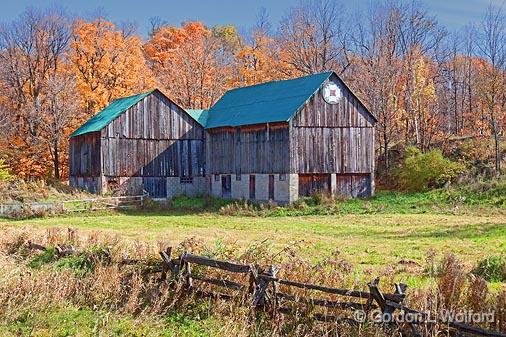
(454, 14)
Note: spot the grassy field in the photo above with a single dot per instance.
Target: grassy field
(390, 236)
(370, 234)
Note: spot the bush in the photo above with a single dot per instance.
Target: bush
(4, 172)
(423, 171)
(492, 268)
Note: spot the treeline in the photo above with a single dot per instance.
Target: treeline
(427, 86)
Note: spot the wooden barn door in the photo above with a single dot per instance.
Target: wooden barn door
(310, 183)
(155, 186)
(226, 186)
(271, 186)
(252, 194)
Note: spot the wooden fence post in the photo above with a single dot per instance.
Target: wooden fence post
(167, 264)
(260, 295)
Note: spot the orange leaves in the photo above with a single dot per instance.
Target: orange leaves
(259, 61)
(108, 64)
(191, 63)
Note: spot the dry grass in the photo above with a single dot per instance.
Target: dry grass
(126, 290)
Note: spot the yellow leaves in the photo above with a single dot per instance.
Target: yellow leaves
(258, 62)
(424, 89)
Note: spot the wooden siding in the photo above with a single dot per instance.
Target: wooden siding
(84, 155)
(348, 112)
(154, 117)
(339, 150)
(248, 150)
(152, 158)
(354, 185)
(326, 138)
(153, 138)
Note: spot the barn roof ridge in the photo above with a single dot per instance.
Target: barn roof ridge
(274, 101)
(330, 72)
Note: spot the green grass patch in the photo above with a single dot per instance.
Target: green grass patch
(47, 256)
(73, 321)
(492, 268)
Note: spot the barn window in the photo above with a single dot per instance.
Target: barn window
(216, 177)
(186, 180)
(282, 177)
(238, 177)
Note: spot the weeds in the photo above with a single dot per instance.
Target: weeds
(492, 268)
(97, 282)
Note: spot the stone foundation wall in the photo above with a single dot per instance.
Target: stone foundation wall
(175, 188)
(284, 192)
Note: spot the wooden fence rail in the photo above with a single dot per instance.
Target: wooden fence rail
(263, 289)
(77, 205)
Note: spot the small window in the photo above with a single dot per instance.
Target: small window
(238, 177)
(186, 180)
(216, 177)
(282, 177)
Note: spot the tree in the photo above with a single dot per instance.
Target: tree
(422, 99)
(492, 46)
(192, 62)
(61, 115)
(258, 61)
(108, 63)
(377, 72)
(31, 51)
(312, 38)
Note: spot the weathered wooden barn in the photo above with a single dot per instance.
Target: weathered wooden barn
(142, 142)
(273, 141)
(284, 139)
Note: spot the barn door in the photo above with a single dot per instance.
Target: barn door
(271, 186)
(252, 187)
(226, 186)
(155, 186)
(310, 183)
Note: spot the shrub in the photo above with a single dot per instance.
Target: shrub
(79, 264)
(492, 268)
(423, 171)
(4, 172)
(47, 256)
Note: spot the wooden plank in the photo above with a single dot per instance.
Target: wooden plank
(337, 291)
(219, 282)
(205, 261)
(322, 302)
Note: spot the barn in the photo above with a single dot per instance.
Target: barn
(285, 139)
(143, 142)
(276, 141)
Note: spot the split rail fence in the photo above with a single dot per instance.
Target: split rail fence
(263, 289)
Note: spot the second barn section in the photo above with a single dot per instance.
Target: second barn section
(272, 141)
(142, 142)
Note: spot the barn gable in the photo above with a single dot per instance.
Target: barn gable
(119, 106)
(108, 114)
(276, 101)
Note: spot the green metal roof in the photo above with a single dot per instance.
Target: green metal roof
(107, 115)
(275, 101)
(199, 115)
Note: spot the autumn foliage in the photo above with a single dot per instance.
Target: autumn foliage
(107, 63)
(426, 87)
